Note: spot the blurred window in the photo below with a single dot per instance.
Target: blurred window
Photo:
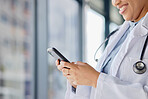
(112, 26)
(94, 36)
(16, 49)
(64, 34)
(97, 5)
(115, 17)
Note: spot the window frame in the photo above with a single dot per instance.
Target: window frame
(40, 83)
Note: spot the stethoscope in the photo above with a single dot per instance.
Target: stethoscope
(139, 67)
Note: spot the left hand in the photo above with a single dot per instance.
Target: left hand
(80, 73)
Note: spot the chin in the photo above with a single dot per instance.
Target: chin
(127, 18)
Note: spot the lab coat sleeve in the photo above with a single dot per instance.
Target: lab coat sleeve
(82, 92)
(109, 87)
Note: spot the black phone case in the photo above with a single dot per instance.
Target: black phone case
(60, 55)
(57, 55)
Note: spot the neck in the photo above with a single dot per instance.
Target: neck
(142, 14)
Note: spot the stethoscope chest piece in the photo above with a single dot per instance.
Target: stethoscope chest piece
(139, 67)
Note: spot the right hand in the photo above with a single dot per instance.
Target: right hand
(61, 69)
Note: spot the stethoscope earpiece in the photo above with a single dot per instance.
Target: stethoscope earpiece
(96, 60)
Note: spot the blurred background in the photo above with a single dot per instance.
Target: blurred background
(29, 27)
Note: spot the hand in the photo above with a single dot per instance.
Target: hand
(64, 72)
(80, 73)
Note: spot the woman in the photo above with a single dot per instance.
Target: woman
(116, 76)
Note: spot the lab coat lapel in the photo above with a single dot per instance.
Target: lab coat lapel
(114, 39)
(140, 30)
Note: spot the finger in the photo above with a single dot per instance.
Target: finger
(66, 64)
(75, 82)
(70, 77)
(60, 67)
(65, 75)
(71, 82)
(65, 71)
(57, 62)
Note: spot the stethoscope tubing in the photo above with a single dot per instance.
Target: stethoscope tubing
(139, 67)
(144, 48)
(107, 38)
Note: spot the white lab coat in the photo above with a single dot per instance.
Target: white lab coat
(121, 82)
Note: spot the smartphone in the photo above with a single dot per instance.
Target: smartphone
(57, 55)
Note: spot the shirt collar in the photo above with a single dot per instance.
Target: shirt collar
(132, 24)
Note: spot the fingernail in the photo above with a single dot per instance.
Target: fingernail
(62, 62)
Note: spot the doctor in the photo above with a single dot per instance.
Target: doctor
(122, 70)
